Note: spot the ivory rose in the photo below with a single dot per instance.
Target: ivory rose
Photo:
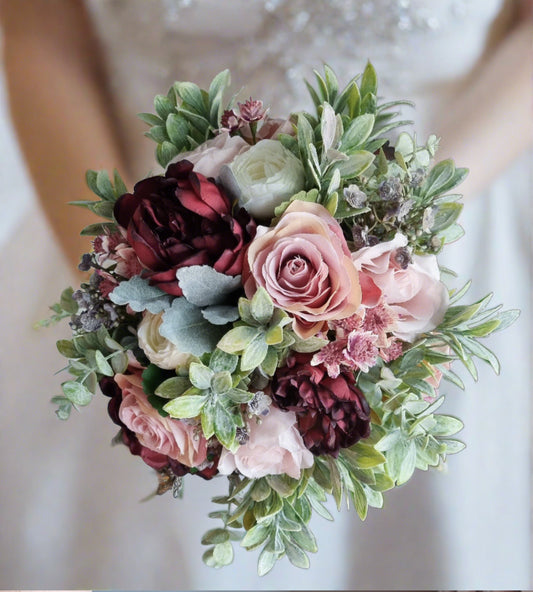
(275, 447)
(304, 264)
(415, 292)
(158, 349)
(210, 156)
(171, 437)
(263, 177)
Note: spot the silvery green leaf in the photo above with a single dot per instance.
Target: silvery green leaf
(359, 500)
(77, 393)
(163, 106)
(165, 152)
(239, 395)
(221, 361)
(309, 345)
(215, 536)
(446, 425)
(191, 94)
(261, 306)
(157, 133)
(150, 118)
(185, 406)
(66, 348)
(140, 296)
(224, 426)
(256, 536)
(237, 339)
(223, 553)
(104, 186)
(99, 228)
(173, 387)
(177, 129)
(270, 363)
(453, 446)
(220, 314)
(295, 555)
(204, 286)
(405, 146)
(254, 353)
(328, 127)
(184, 325)
(267, 560)
(369, 81)
(200, 375)
(221, 382)
(102, 365)
(356, 164)
(357, 132)
(408, 463)
(335, 182)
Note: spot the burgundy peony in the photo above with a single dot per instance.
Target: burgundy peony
(183, 219)
(332, 413)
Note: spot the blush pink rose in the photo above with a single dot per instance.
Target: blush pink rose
(210, 156)
(275, 447)
(304, 264)
(415, 293)
(170, 437)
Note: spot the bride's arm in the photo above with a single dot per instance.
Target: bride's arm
(491, 123)
(59, 107)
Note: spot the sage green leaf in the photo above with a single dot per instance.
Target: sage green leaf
(221, 382)
(208, 558)
(256, 536)
(319, 508)
(369, 82)
(274, 335)
(215, 536)
(254, 353)
(102, 365)
(150, 118)
(446, 425)
(220, 314)
(239, 395)
(191, 94)
(163, 106)
(184, 325)
(104, 209)
(140, 295)
(261, 306)
(158, 133)
(355, 165)
(221, 361)
(283, 484)
(225, 428)
(223, 553)
(165, 152)
(453, 446)
(357, 132)
(237, 339)
(364, 456)
(186, 406)
(295, 555)
(359, 500)
(353, 100)
(446, 215)
(305, 136)
(304, 539)
(270, 363)
(77, 393)
(200, 375)
(66, 348)
(260, 490)
(104, 186)
(173, 387)
(204, 286)
(208, 419)
(99, 228)
(267, 560)
(177, 129)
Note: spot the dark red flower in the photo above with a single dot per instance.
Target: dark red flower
(332, 413)
(183, 219)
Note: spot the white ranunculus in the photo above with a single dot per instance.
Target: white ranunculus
(263, 177)
(159, 350)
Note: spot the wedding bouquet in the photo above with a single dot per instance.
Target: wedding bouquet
(271, 309)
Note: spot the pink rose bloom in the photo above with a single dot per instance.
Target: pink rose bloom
(171, 437)
(210, 156)
(415, 293)
(275, 447)
(304, 264)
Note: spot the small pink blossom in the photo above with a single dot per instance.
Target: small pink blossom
(361, 350)
(252, 110)
(171, 437)
(274, 447)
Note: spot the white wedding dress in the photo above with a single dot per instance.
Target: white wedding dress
(71, 516)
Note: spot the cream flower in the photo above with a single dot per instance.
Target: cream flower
(159, 350)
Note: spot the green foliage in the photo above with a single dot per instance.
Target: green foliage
(91, 356)
(63, 309)
(186, 117)
(108, 191)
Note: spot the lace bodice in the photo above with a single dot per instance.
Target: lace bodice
(421, 48)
